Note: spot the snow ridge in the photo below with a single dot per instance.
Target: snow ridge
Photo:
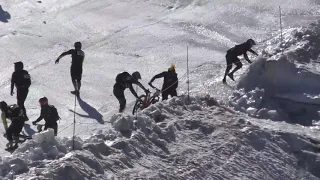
(173, 139)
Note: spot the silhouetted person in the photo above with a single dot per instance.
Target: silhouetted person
(22, 81)
(76, 66)
(15, 114)
(232, 58)
(170, 82)
(123, 81)
(50, 115)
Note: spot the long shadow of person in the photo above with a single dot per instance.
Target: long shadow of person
(29, 130)
(4, 15)
(91, 111)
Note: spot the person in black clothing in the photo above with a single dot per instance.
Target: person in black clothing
(123, 81)
(170, 82)
(15, 114)
(21, 79)
(76, 66)
(232, 58)
(49, 114)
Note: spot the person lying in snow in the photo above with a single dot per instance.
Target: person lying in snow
(232, 58)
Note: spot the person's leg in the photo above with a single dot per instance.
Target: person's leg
(21, 98)
(238, 66)
(165, 95)
(9, 132)
(55, 128)
(173, 93)
(119, 94)
(228, 68)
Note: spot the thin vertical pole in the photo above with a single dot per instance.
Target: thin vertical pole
(188, 74)
(74, 116)
(281, 36)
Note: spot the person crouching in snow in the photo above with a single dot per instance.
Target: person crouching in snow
(16, 115)
(232, 58)
(50, 115)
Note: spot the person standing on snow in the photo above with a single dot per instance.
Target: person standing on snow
(170, 82)
(123, 81)
(76, 66)
(22, 81)
(50, 115)
(15, 114)
(232, 58)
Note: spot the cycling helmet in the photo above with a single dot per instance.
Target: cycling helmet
(251, 42)
(3, 105)
(136, 75)
(43, 101)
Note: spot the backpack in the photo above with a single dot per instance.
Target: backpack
(14, 112)
(53, 113)
(122, 77)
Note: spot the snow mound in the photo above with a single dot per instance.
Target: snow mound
(284, 82)
(173, 139)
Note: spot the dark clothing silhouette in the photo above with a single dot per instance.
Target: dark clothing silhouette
(231, 57)
(123, 81)
(170, 83)
(22, 81)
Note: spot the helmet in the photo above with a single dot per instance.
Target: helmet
(43, 101)
(18, 65)
(251, 42)
(136, 75)
(77, 45)
(172, 68)
(3, 105)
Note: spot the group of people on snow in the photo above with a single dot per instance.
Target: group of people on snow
(125, 80)
(22, 81)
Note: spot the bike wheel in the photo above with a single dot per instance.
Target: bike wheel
(138, 105)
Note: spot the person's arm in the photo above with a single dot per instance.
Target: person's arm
(63, 54)
(4, 121)
(161, 75)
(246, 58)
(253, 52)
(133, 91)
(39, 118)
(12, 83)
(140, 85)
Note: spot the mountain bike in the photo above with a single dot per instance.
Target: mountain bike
(145, 101)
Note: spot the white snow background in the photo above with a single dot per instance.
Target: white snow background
(266, 129)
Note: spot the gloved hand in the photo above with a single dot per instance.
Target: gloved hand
(34, 123)
(11, 93)
(57, 61)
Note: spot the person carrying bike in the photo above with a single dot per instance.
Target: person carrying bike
(123, 81)
(170, 82)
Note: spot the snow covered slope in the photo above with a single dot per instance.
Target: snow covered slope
(286, 78)
(195, 140)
